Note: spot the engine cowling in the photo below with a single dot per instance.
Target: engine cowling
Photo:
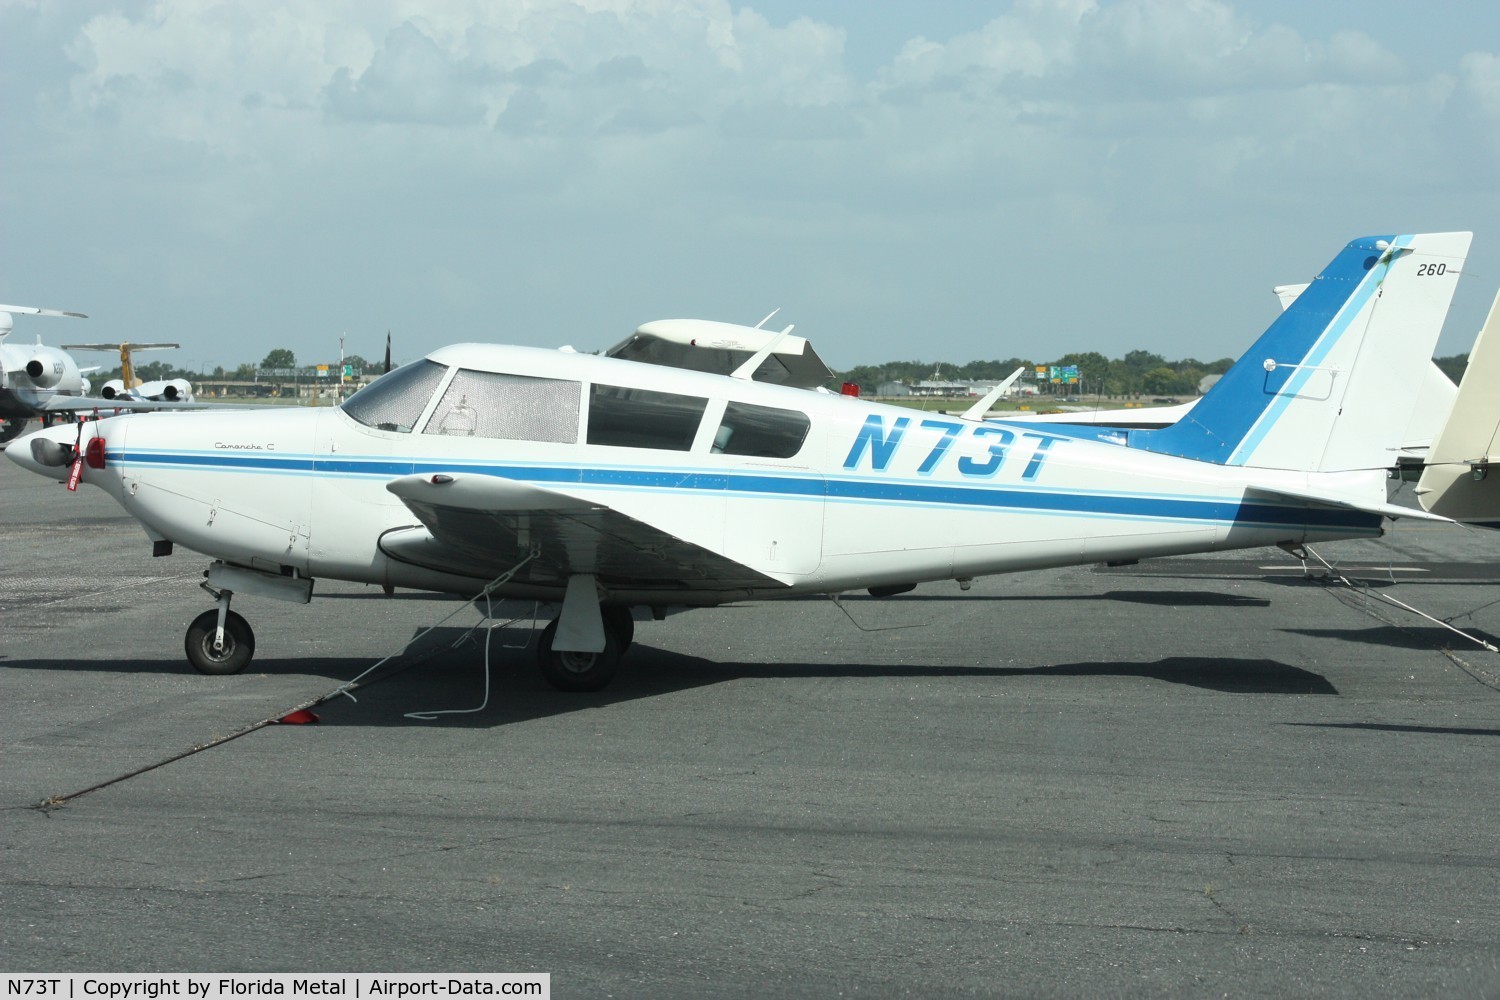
(45, 372)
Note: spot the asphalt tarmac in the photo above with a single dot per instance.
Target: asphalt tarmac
(1196, 777)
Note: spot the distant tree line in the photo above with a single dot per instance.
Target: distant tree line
(280, 357)
(1137, 372)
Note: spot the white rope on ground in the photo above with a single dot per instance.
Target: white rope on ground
(838, 602)
(432, 714)
(489, 588)
(55, 801)
(1370, 593)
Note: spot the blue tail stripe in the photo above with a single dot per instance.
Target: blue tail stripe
(1241, 409)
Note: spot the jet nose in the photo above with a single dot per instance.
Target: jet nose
(48, 452)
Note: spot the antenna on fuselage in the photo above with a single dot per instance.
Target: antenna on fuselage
(746, 371)
(979, 409)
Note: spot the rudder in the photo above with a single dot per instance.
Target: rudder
(1331, 385)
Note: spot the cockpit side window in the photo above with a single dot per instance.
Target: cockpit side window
(760, 431)
(510, 407)
(641, 418)
(395, 400)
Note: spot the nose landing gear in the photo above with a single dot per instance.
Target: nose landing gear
(214, 648)
(222, 642)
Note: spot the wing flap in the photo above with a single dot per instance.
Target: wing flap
(481, 526)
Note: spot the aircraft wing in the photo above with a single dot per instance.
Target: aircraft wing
(64, 404)
(480, 526)
(117, 346)
(1343, 502)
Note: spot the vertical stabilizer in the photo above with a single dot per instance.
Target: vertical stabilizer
(1332, 383)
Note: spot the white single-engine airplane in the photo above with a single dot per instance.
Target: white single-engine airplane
(615, 488)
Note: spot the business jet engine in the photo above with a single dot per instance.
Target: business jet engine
(45, 369)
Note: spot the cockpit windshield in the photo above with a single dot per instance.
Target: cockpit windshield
(395, 400)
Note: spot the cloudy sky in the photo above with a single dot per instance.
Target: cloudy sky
(934, 179)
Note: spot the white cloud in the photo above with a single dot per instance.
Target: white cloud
(1481, 80)
(692, 147)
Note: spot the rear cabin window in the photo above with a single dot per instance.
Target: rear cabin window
(760, 431)
(395, 400)
(640, 418)
(510, 407)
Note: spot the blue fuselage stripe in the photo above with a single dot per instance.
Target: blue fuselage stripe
(791, 486)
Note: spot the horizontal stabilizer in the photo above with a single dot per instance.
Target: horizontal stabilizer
(1342, 502)
(127, 346)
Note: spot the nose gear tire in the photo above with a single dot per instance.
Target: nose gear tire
(239, 643)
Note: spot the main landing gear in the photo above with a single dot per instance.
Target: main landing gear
(584, 670)
(12, 428)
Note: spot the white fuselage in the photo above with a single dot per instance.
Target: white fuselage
(876, 495)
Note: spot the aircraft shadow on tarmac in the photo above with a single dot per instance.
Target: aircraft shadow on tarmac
(1386, 727)
(1170, 598)
(1165, 598)
(435, 678)
(1428, 637)
(518, 694)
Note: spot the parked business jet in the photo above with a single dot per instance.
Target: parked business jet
(616, 488)
(41, 381)
(31, 375)
(128, 387)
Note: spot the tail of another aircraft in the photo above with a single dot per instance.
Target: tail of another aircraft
(1456, 482)
(1332, 383)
